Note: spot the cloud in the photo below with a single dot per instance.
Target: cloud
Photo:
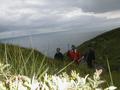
(33, 16)
(14, 34)
(98, 6)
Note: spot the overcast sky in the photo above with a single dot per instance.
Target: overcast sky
(25, 17)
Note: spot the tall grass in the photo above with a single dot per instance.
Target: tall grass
(54, 82)
(110, 74)
(22, 61)
(29, 62)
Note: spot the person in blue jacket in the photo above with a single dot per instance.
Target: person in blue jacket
(58, 55)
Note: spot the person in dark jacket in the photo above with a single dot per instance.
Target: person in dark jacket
(58, 55)
(90, 57)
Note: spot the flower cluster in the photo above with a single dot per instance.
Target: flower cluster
(55, 82)
(75, 82)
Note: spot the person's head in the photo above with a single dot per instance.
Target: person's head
(73, 47)
(58, 49)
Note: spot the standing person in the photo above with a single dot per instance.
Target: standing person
(74, 54)
(90, 57)
(58, 55)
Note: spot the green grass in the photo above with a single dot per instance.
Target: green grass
(52, 82)
(107, 45)
(30, 62)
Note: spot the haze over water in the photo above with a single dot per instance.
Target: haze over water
(48, 42)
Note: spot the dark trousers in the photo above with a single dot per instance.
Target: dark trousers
(90, 63)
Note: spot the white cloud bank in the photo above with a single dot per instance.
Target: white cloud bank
(27, 17)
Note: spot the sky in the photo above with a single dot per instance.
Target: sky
(27, 17)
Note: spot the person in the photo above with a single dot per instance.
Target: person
(74, 54)
(90, 57)
(58, 55)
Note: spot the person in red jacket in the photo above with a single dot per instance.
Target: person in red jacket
(74, 54)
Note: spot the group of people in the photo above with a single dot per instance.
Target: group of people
(76, 56)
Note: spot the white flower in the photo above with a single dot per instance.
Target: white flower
(34, 84)
(111, 88)
(62, 84)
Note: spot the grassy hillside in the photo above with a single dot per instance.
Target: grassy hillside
(106, 45)
(28, 62)
(22, 60)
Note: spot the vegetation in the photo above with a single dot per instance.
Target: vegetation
(107, 46)
(30, 64)
(28, 61)
(53, 82)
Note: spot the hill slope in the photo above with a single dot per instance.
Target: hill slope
(27, 61)
(106, 45)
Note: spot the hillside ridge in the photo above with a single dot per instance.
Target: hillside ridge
(106, 45)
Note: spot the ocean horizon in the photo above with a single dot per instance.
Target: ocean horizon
(48, 42)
